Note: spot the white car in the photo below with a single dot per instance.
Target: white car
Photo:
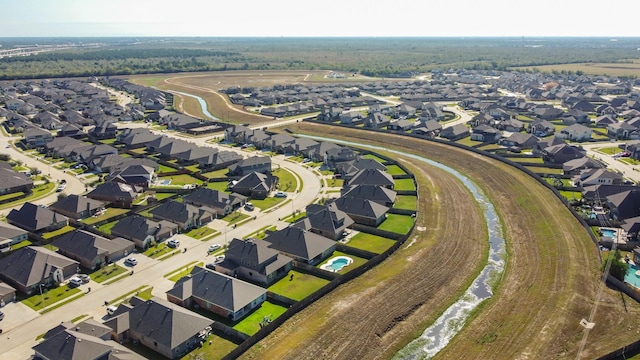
(75, 281)
(61, 187)
(214, 247)
(111, 309)
(173, 243)
(281, 194)
(131, 261)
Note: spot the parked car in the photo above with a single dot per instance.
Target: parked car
(219, 259)
(75, 281)
(249, 206)
(281, 194)
(61, 187)
(1, 315)
(84, 277)
(210, 266)
(131, 261)
(111, 309)
(214, 247)
(173, 243)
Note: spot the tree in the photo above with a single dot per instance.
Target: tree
(34, 171)
(618, 267)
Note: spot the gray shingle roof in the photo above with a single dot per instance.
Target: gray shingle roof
(29, 265)
(299, 243)
(76, 204)
(216, 288)
(33, 217)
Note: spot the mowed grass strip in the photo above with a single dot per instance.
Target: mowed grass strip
(406, 202)
(399, 224)
(251, 324)
(404, 184)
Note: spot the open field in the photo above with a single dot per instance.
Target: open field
(612, 69)
(549, 284)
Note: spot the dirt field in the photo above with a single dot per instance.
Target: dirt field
(550, 283)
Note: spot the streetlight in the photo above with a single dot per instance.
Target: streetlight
(44, 305)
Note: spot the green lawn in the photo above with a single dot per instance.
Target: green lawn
(536, 160)
(333, 182)
(251, 324)
(490, 147)
(108, 214)
(11, 195)
(21, 244)
(159, 250)
(571, 195)
(294, 218)
(219, 185)
(300, 287)
(106, 228)
(357, 261)
(218, 349)
(107, 272)
(369, 242)
(552, 181)
(404, 184)
(235, 217)
(609, 150)
(49, 297)
(467, 141)
(162, 195)
(182, 179)
(201, 232)
(60, 231)
(544, 170)
(399, 224)
(406, 202)
(629, 161)
(216, 173)
(374, 157)
(165, 169)
(193, 168)
(184, 271)
(395, 170)
(287, 180)
(267, 203)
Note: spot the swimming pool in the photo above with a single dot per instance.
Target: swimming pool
(631, 278)
(337, 263)
(609, 232)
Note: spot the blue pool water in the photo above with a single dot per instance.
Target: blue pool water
(608, 232)
(336, 264)
(631, 277)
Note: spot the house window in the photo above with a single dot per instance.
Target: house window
(155, 343)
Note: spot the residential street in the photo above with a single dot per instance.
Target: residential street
(631, 172)
(74, 183)
(16, 342)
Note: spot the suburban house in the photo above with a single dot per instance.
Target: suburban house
(455, 132)
(253, 261)
(77, 207)
(575, 166)
(623, 130)
(597, 177)
(143, 231)
(161, 326)
(7, 294)
(261, 164)
(87, 340)
(325, 220)
(633, 148)
(13, 182)
(349, 169)
(519, 140)
(37, 219)
(362, 211)
(115, 193)
(218, 293)
(90, 250)
(186, 216)
(36, 137)
(541, 128)
(485, 133)
(427, 128)
(303, 246)
(255, 185)
(10, 235)
(220, 202)
(27, 268)
(624, 205)
(559, 154)
(576, 132)
(376, 120)
(134, 174)
(372, 177)
(380, 194)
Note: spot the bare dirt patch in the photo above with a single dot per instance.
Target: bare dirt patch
(549, 285)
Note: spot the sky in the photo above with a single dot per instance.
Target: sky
(275, 18)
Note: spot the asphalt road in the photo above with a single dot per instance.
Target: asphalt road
(631, 172)
(75, 185)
